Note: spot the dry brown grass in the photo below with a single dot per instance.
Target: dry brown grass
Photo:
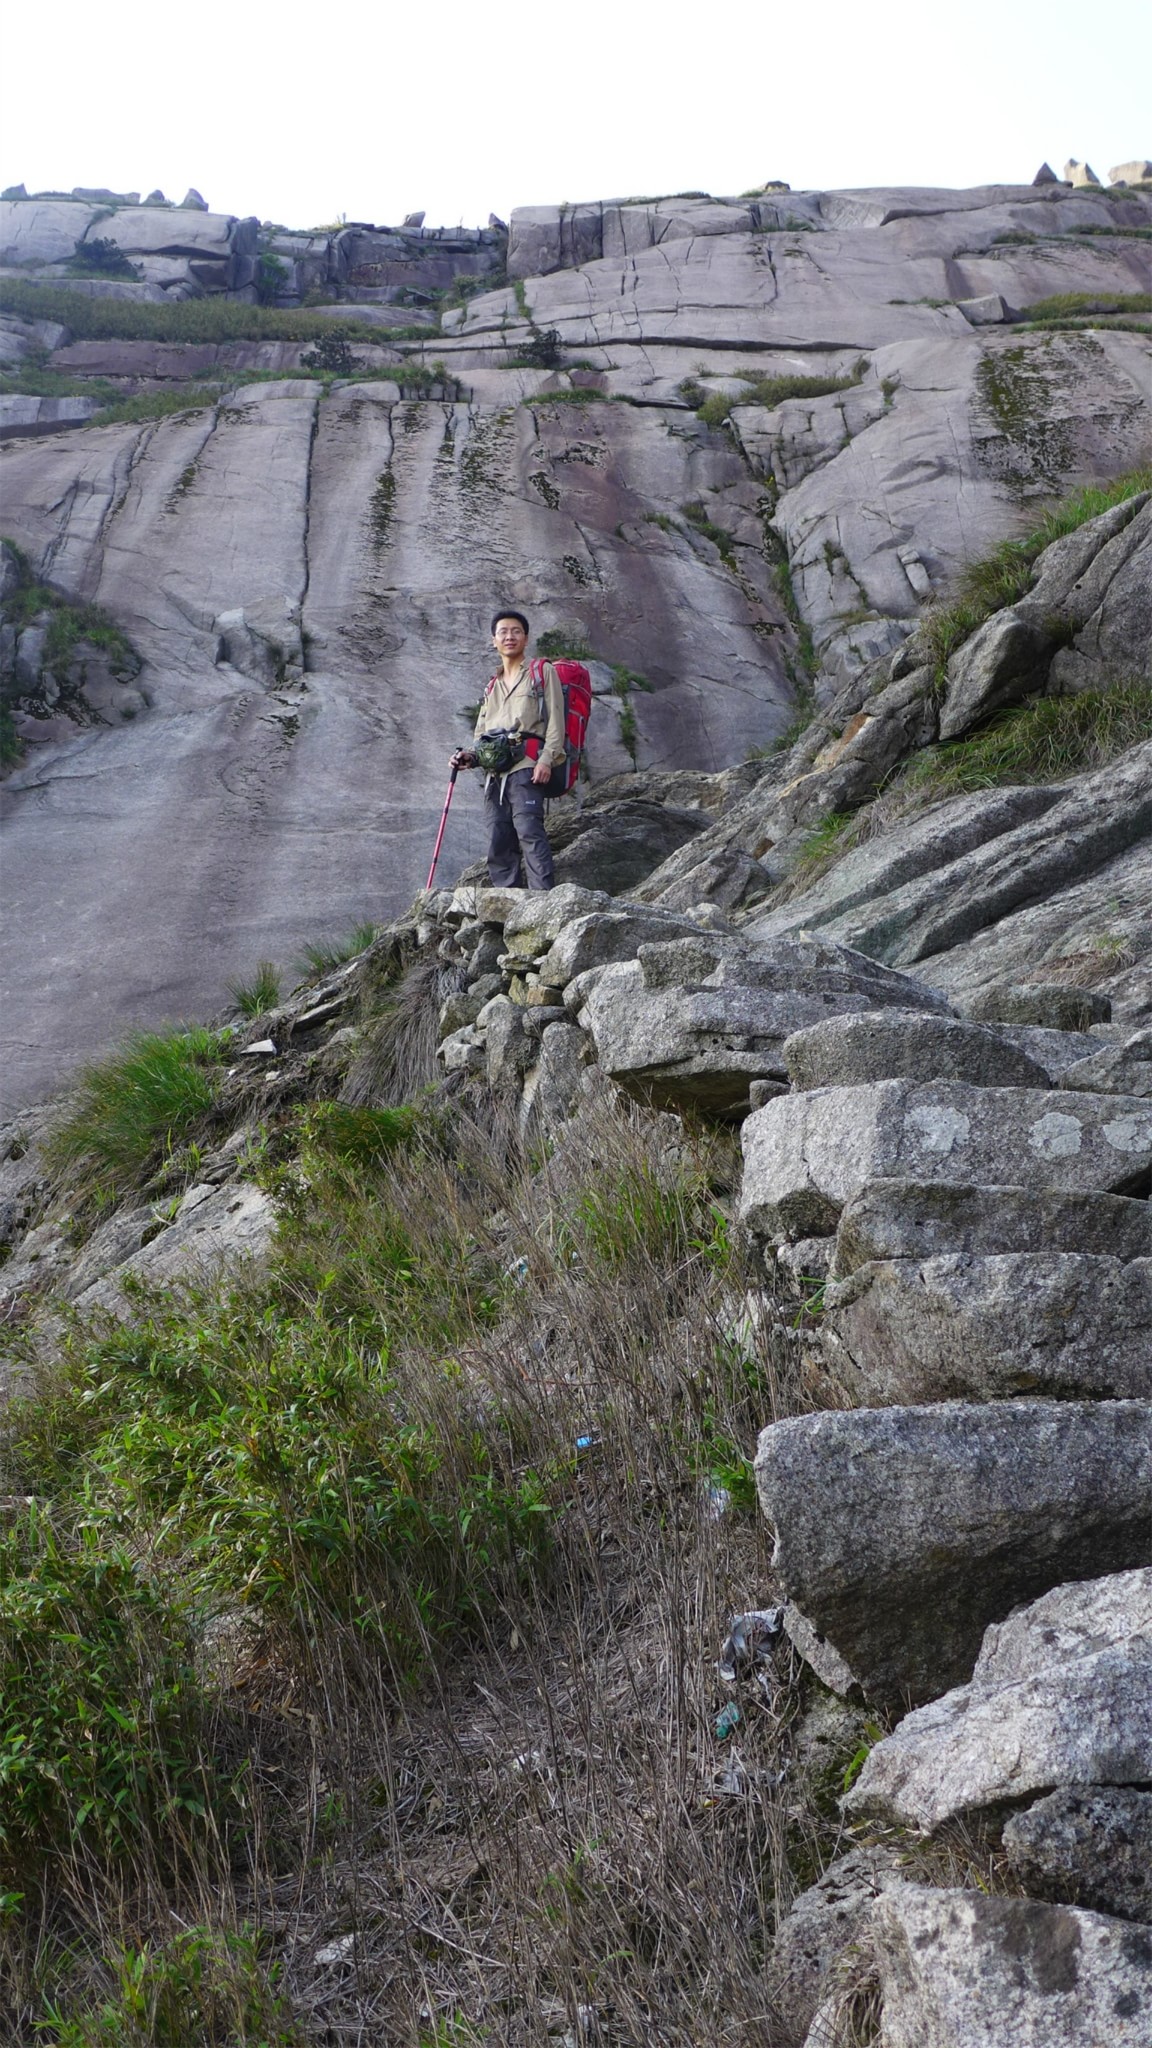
(540, 1832)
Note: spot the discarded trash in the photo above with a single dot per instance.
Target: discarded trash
(586, 1443)
(517, 1271)
(750, 1641)
(335, 1952)
(717, 1501)
(728, 1720)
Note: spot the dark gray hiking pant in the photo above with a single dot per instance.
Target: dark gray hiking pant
(516, 833)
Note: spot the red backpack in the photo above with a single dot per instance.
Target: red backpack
(576, 687)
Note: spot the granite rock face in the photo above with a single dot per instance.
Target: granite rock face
(1087, 1845)
(901, 1533)
(962, 1970)
(918, 1220)
(807, 1155)
(884, 1046)
(959, 1325)
(1061, 1695)
(370, 532)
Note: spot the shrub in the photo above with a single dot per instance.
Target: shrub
(100, 1743)
(128, 1111)
(101, 258)
(271, 277)
(199, 1988)
(331, 354)
(558, 644)
(542, 351)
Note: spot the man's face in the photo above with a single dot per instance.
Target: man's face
(509, 639)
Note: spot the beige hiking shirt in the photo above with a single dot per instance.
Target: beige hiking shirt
(516, 707)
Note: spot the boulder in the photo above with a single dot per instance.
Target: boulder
(962, 1327)
(1076, 173)
(990, 310)
(1002, 661)
(1061, 1695)
(552, 1087)
(964, 1970)
(507, 1048)
(805, 1156)
(618, 846)
(901, 1533)
(697, 1020)
(917, 1220)
(1137, 171)
(1115, 1069)
(1049, 1004)
(604, 937)
(538, 916)
(1087, 1845)
(885, 1045)
(824, 1923)
(1055, 1051)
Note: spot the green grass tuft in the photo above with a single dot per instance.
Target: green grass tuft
(261, 993)
(770, 392)
(328, 954)
(132, 1109)
(1045, 740)
(1065, 305)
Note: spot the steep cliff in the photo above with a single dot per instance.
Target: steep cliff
(305, 566)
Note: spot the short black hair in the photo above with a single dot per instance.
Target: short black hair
(519, 616)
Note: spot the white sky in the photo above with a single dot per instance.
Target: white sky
(300, 114)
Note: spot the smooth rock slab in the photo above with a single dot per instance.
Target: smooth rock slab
(908, 1219)
(959, 1326)
(1061, 1694)
(1087, 1845)
(901, 1533)
(805, 1156)
(214, 1227)
(962, 1970)
(894, 1045)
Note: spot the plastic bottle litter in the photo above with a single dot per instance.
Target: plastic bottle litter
(750, 1641)
(727, 1721)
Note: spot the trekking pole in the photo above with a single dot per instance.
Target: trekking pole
(443, 822)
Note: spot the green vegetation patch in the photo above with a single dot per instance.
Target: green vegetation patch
(204, 1987)
(211, 319)
(1042, 741)
(768, 391)
(100, 1735)
(1071, 305)
(131, 1110)
(1004, 575)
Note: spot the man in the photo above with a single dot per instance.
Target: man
(530, 716)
